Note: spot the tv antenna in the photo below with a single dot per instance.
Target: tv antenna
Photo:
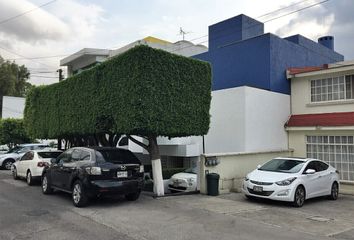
(182, 32)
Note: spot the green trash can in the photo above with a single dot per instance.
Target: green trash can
(213, 184)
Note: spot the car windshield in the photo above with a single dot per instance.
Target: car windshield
(48, 154)
(282, 165)
(191, 170)
(118, 156)
(15, 149)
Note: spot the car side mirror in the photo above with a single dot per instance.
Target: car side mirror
(310, 171)
(259, 166)
(53, 160)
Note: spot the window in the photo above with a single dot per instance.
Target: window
(48, 154)
(85, 156)
(27, 156)
(332, 89)
(75, 156)
(337, 151)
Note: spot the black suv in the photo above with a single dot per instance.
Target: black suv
(91, 172)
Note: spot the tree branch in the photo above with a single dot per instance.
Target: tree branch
(138, 142)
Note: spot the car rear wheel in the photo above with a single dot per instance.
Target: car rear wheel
(334, 191)
(29, 178)
(299, 196)
(79, 196)
(7, 164)
(14, 174)
(46, 186)
(132, 196)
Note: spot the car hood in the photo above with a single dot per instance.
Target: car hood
(183, 175)
(265, 176)
(9, 155)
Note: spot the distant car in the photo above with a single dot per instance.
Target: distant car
(30, 166)
(292, 180)
(91, 172)
(184, 181)
(7, 159)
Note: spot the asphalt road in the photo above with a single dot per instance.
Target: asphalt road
(25, 213)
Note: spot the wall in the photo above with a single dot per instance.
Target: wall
(301, 96)
(13, 107)
(266, 113)
(233, 167)
(247, 119)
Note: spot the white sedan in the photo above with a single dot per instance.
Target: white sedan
(292, 180)
(30, 166)
(184, 181)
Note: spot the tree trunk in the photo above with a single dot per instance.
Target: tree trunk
(153, 149)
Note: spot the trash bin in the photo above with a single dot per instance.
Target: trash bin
(213, 184)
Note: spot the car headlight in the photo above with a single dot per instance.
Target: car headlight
(141, 169)
(94, 170)
(246, 178)
(190, 181)
(286, 182)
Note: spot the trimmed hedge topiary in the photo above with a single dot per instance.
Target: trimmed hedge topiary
(144, 91)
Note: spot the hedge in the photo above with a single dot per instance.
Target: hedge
(143, 91)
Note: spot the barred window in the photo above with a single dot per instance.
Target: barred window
(337, 151)
(332, 89)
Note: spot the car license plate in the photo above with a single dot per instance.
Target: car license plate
(123, 174)
(257, 189)
(176, 184)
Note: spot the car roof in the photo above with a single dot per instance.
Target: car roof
(47, 150)
(97, 148)
(32, 144)
(295, 158)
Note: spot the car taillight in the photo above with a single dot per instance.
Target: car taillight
(337, 171)
(42, 164)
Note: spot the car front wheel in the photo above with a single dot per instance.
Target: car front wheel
(7, 164)
(334, 191)
(299, 196)
(46, 186)
(79, 196)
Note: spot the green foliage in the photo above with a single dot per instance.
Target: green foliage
(143, 91)
(13, 80)
(12, 132)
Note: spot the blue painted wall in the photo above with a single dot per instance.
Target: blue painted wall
(247, 57)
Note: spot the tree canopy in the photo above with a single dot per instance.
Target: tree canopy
(12, 132)
(142, 92)
(13, 80)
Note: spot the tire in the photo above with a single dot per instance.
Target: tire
(299, 196)
(14, 174)
(46, 186)
(132, 196)
(334, 191)
(7, 164)
(78, 195)
(29, 178)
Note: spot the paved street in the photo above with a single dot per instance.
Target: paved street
(28, 214)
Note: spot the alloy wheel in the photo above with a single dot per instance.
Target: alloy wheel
(299, 196)
(8, 165)
(77, 193)
(44, 184)
(334, 191)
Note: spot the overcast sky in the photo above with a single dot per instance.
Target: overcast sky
(66, 26)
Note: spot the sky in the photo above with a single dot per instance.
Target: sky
(40, 38)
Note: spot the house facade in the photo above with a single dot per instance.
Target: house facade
(322, 115)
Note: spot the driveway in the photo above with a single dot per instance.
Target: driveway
(28, 214)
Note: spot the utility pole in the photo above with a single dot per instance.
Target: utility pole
(182, 32)
(61, 77)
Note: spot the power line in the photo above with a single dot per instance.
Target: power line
(21, 14)
(280, 9)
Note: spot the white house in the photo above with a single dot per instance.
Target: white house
(322, 121)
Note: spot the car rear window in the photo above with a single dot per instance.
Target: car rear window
(118, 156)
(48, 154)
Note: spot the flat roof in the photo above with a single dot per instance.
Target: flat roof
(84, 52)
